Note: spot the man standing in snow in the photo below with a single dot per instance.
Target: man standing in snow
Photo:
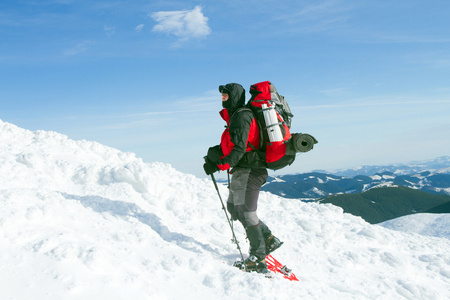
(249, 173)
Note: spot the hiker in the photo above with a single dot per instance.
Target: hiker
(249, 173)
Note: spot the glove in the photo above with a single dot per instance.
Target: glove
(210, 168)
(214, 153)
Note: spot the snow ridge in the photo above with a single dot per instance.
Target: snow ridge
(80, 220)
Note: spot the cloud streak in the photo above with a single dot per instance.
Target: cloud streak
(184, 24)
(109, 30)
(373, 104)
(317, 16)
(79, 48)
(139, 27)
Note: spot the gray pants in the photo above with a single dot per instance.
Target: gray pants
(244, 192)
(243, 202)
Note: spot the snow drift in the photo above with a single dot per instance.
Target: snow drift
(437, 225)
(80, 220)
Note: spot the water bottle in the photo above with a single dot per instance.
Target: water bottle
(272, 123)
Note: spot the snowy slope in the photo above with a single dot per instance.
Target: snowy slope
(80, 220)
(437, 225)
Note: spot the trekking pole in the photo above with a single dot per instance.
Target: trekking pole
(228, 219)
(232, 224)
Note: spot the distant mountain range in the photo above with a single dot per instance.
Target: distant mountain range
(431, 176)
(381, 204)
(387, 193)
(437, 165)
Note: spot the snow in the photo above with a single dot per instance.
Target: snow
(437, 225)
(382, 185)
(80, 220)
(376, 177)
(383, 177)
(277, 179)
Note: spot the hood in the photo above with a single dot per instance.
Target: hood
(236, 99)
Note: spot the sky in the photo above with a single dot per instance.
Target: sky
(370, 80)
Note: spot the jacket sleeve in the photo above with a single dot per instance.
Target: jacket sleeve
(239, 131)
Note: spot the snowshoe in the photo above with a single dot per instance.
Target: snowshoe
(252, 264)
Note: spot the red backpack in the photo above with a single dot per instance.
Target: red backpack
(278, 146)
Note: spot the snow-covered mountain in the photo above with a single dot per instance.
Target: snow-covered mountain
(437, 165)
(317, 185)
(80, 220)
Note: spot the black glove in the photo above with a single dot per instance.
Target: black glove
(210, 168)
(214, 153)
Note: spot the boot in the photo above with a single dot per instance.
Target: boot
(254, 264)
(271, 241)
(272, 244)
(257, 241)
(265, 230)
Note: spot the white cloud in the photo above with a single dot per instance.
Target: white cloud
(79, 48)
(109, 30)
(335, 92)
(139, 27)
(184, 24)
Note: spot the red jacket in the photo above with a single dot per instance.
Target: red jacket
(241, 131)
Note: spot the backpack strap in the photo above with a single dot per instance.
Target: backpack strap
(259, 151)
(261, 154)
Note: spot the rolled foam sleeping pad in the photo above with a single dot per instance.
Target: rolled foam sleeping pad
(303, 142)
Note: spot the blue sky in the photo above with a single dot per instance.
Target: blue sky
(369, 79)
